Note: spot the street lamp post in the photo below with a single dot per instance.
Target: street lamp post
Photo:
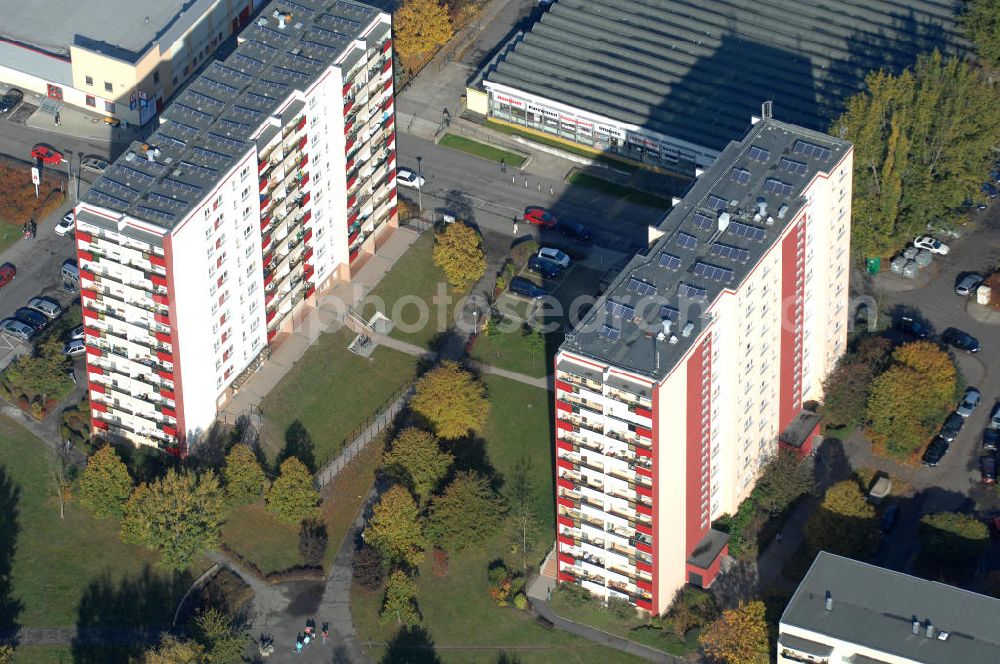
(420, 198)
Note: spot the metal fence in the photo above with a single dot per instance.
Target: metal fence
(364, 434)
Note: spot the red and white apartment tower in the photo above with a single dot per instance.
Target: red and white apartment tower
(190, 273)
(698, 362)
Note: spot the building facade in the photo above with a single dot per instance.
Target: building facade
(190, 273)
(123, 61)
(673, 391)
(849, 611)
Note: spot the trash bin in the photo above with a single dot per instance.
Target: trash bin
(874, 265)
(897, 263)
(910, 253)
(910, 270)
(923, 258)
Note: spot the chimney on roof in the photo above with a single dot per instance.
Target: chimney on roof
(724, 219)
(828, 602)
(916, 625)
(930, 630)
(688, 329)
(782, 211)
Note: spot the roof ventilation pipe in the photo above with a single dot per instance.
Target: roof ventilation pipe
(782, 211)
(916, 625)
(828, 602)
(724, 219)
(930, 630)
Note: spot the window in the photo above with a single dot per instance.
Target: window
(109, 106)
(245, 172)
(91, 101)
(108, 87)
(90, 80)
(156, 77)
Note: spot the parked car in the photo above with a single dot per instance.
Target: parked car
(66, 224)
(968, 284)
(31, 318)
(76, 333)
(931, 244)
(409, 178)
(544, 267)
(525, 288)
(969, 402)
(935, 452)
(538, 216)
(7, 274)
(10, 100)
(995, 416)
(988, 469)
(555, 255)
(990, 190)
(991, 440)
(74, 348)
(960, 340)
(574, 229)
(889, 518)
(913, 327)
(94, 164)
(952, 425)
(45, 306)
(46, 155)
(16, 329)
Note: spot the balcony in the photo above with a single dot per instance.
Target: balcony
(587, 404)
(580, 381)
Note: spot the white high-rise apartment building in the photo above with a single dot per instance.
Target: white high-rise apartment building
(269, 179)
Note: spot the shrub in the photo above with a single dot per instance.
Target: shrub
(575, 595)
(620, 608)
(368, 568)
(520, 253)
(501, 581)
(312, 541)
(520, 602)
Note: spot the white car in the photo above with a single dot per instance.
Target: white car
(76, 333)
(969, 402)
(74, 348)
(17, 329)
(932, 245)
(47, 308)
(554, 255)
(94, 164)
(66, 224)
(409, 178)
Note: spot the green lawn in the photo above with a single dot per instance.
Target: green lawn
(457, 609)
(482, 150)
(332, 392)
(43, 655)
(58, 562)
(343, 496)
(572, 148)
(257, 536)
(413, 284)
(9, 234)
(518, 351)
(619, 190)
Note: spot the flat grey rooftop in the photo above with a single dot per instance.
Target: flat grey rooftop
(696, 70)
(206, 130)
(123, 29)
(684, 271)
(875, 607)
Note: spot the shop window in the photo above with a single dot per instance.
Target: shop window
(109, 106)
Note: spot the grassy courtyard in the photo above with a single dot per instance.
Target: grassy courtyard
(457, 608)
(482, 150)
(260, 538)
(332, 392)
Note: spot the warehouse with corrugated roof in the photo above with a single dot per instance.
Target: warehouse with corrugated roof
(671, 82)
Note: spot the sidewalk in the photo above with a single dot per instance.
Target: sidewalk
(79, 123)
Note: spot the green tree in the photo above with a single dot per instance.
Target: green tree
(292, 497)
(173, 650)
(420, 27)
(922, 144)
(223, 638)
(395, 530)
(466, 514)
(953, 539)
(43, 372)
(400, 603)
(738, 636)
(244, 477)
(105, 484)
(523, 529)
(6, 654)
(846, 387)
(458, 251)
(844, 523)
(981, 20)
(179, 515)
(783, 480)
(417, 460)
(452, 399)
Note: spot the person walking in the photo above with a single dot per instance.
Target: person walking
(326, 631)
(515, 225)
(503, 166)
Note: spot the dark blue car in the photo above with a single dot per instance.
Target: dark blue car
(525, 288)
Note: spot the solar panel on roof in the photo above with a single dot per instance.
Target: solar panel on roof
(740, 175)
(354, 9)
(723, 274)
(759, 154)
(272, 85)
(792, 166)
(176, 142)
(256, 98)
(807, 149)
(297, 7)
(183, 186)
(292, 73)
(669, 261)
(321, 47)
(702, 221)
(156, 214)
(686, 241)
(734, 253)
(198, 168)
(166, 201)
(745, 230)
(201, 98)
(261, 46)
(249, 112)
(232, 73)
(246, 61)
(639, 286)
(225, 140)
(232, 125)
(619, 310)
(211, 155)
(128, 172)
(777, 187)
(272, 33)
(222, 87)
(610, 333)
(716, 203)
(330, 34)
(186, 130)
(692, 292)
(301, 60)
(107, 200)
(669, 313)
(193, 112)
(119, 188)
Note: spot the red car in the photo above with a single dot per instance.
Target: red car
(539, 217)
(7, 274)
(46, 154)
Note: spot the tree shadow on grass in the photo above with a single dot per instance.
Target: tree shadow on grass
(118, 621)
(471, 455)
(411, 645)
(10, 606)
(299, 444)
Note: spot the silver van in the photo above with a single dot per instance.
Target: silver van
(70, 272)
(46, 307)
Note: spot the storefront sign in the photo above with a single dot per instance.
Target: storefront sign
(510, 100)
